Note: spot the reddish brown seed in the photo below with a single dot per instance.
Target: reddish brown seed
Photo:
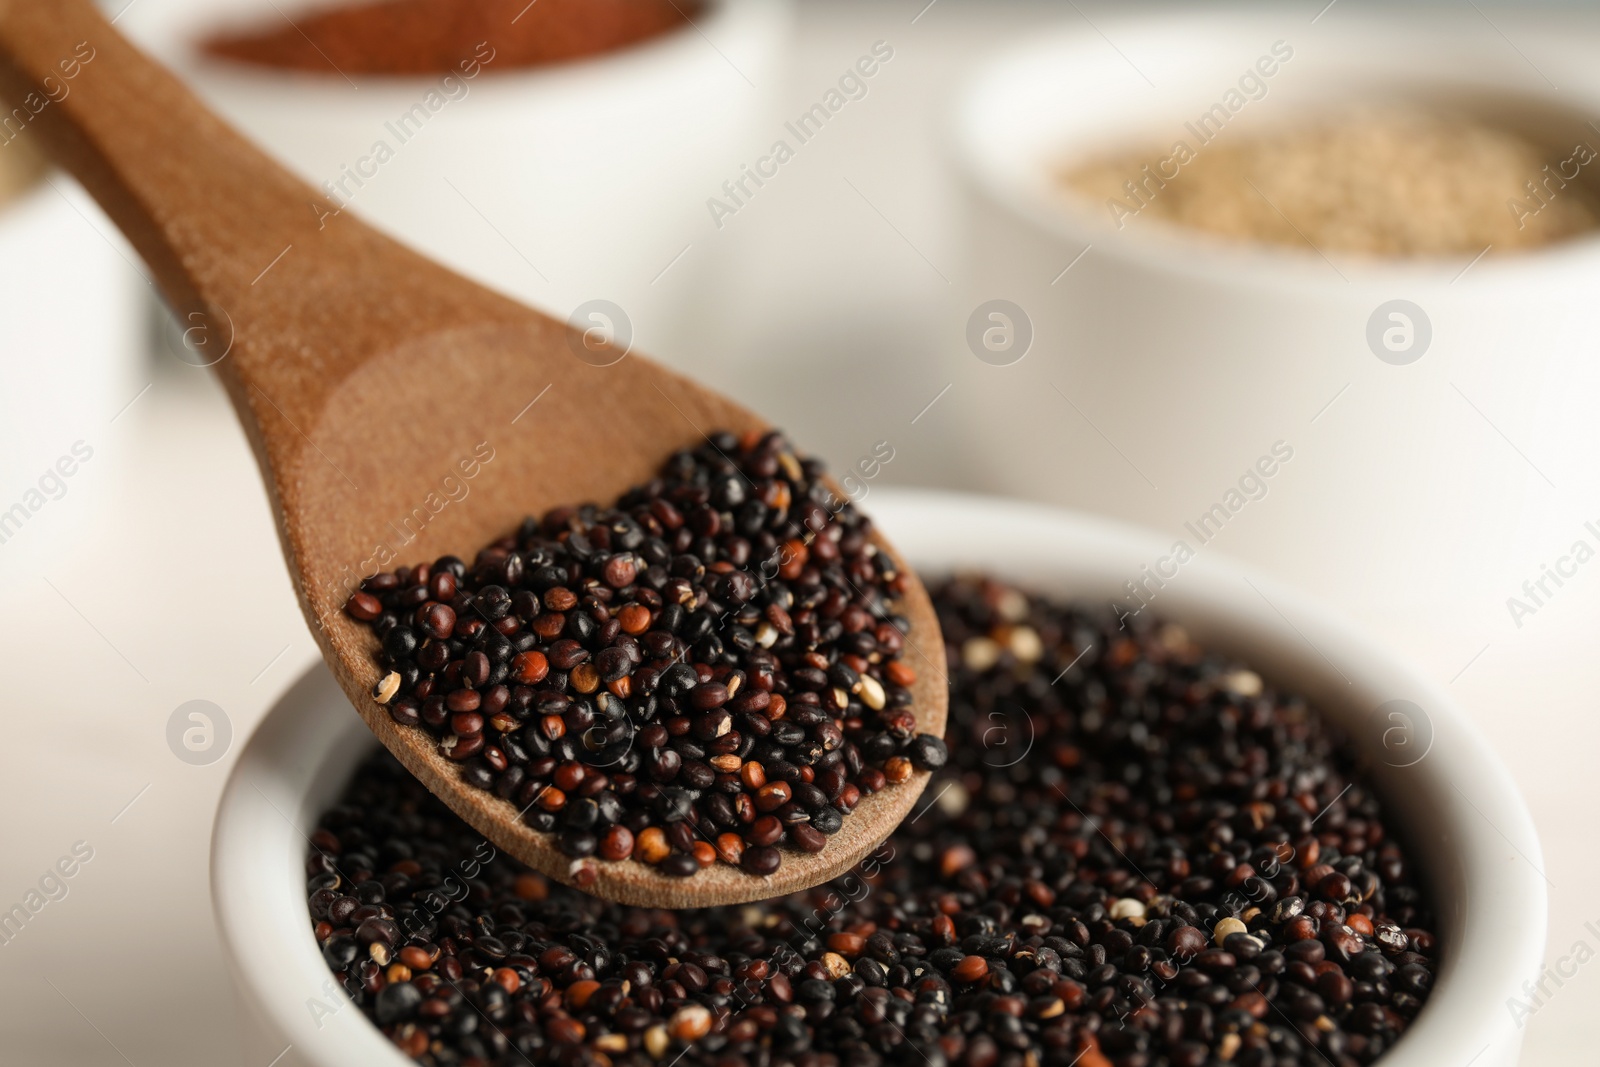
(956, 858)
(690, 1022)
(773, 796)
(436, 620)
(466, 723)
(1012, 1006)
(566, 654)
(570, 775)
(531, 887)
(761, 860)
(463, 700)
(900, 673)
(794, 554)
(780, 620)
(578, 993)
(363, 606)
(417, 959)
(1252, 1003)
(730, 847)
(807, 838)
(708, 696)
(1335, 987)
(475, 669)
(897, 769)
(560, 598)
(585, 678)
(1187, 942)
(753, 775)
(1334, 887)
(461, 748)
(564, 1030)
(1343, 942)
(530, 667)
(651, 846)
(634, 619)
(901, 722)
(556, 958)
(970, 969)
(617, 843)
(620, 571)
(495, 699)
(507, 979)
(704, 854)
(765, 831)
(442, 586)
(846, 944)
(552, 799)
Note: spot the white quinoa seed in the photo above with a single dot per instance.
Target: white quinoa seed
(1230, 925)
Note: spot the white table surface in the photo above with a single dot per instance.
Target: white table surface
(157, 580)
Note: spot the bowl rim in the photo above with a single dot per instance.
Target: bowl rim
(1483, 871)
(604, 75)
(994, 85)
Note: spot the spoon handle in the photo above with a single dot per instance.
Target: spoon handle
(205, 208)
(252, 259)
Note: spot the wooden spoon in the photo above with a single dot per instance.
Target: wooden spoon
(365, 375)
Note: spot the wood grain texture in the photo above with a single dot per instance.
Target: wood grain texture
(365, 374)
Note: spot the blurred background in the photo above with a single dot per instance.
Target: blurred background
(979, 241)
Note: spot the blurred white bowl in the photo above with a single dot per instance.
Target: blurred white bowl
(71, 301)
(1165, 362)
(557, 185)
(1468, 830)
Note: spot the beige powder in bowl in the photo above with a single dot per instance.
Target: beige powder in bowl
(1382, 182)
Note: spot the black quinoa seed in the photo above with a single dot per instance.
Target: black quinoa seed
(654, 664)
(1156, 860)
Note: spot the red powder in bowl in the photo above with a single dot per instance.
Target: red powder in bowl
(435, 36)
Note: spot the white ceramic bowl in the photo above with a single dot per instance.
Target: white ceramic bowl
(1465, 825)
(1188, 356)
(71, 301)
(558, 185)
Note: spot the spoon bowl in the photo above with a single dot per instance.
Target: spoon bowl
(371, 380)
